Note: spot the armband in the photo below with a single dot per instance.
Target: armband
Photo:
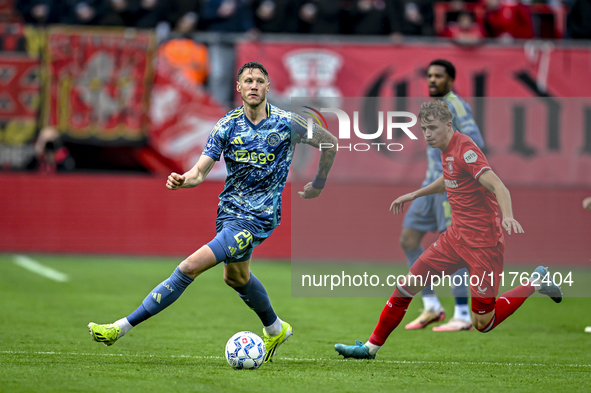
(319, 182)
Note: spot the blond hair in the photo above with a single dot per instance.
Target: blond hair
(437, 109)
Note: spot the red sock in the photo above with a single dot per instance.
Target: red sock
(507, 303)
(390, 317)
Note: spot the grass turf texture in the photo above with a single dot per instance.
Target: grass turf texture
(45, 346)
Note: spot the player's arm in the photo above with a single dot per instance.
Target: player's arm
(327, 143)
(491, 181)
(397, 207)
(193, 177)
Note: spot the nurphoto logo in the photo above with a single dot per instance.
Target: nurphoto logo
(344, 121)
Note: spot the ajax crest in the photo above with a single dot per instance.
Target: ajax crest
(273, 139)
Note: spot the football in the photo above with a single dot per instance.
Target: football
(245, 350)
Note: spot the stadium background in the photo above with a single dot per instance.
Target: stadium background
(128, 117)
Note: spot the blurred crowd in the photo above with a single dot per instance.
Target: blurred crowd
(466, 21)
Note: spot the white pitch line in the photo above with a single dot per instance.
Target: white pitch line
(443, 363)
(37, 268)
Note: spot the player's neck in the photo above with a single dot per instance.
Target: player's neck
(449, 135)
(257, 113)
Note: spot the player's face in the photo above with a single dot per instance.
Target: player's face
(436, 132)
(438, 81)
(253, 87)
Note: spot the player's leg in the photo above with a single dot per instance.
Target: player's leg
(390, 318)
(275, 331)
(421, 218)
(234, 244)
(488, 312)
(238, 276)
(429, 266)
(165, 293)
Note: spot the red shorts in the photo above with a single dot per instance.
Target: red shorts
(484, 265)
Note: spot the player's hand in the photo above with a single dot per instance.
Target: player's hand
(587, 203)
(512, 224)
(397, 207)
(175, 181)
(310, 192)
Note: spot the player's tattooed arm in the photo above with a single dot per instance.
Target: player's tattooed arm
(327, 143)
(193, 177)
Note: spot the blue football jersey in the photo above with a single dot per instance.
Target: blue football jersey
(463, 121)
(257, 159)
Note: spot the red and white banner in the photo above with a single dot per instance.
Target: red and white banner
(535, 135)
(20, 90)
(99, 83)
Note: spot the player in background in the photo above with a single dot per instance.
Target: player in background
(433, 213)
(258, 142)
(474, 240)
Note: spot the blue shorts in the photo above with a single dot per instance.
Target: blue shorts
(236, 238)
(430, 213)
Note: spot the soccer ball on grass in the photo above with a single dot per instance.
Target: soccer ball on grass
(245, 350)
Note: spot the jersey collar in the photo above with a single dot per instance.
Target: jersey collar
(452, 143)
(449, 95)
(256, 127)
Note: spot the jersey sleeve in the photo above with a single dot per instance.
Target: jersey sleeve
(472, 159)
(217, 139)
(299, 129)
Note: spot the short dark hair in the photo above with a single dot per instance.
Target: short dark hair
(252, 65)
(449, 68)
(437, 109)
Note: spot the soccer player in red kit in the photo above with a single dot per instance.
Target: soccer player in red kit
(474, 240)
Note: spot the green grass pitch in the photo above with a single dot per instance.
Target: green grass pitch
(45, 345)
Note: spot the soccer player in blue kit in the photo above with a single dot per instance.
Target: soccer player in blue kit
(257, 141)
(433, 212)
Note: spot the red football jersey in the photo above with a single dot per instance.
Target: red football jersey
(475, 212)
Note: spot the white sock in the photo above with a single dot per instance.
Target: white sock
(462, 312)
(124, 325)
(373, 349)
(431, 303)
(275, 328)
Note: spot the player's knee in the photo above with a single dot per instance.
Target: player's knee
(483, 312)
(189, 268)
(481, 325)
(483, 322)
(198, 262)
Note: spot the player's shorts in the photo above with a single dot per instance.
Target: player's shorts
(484, 265)
(236, 238)
(431, 213)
